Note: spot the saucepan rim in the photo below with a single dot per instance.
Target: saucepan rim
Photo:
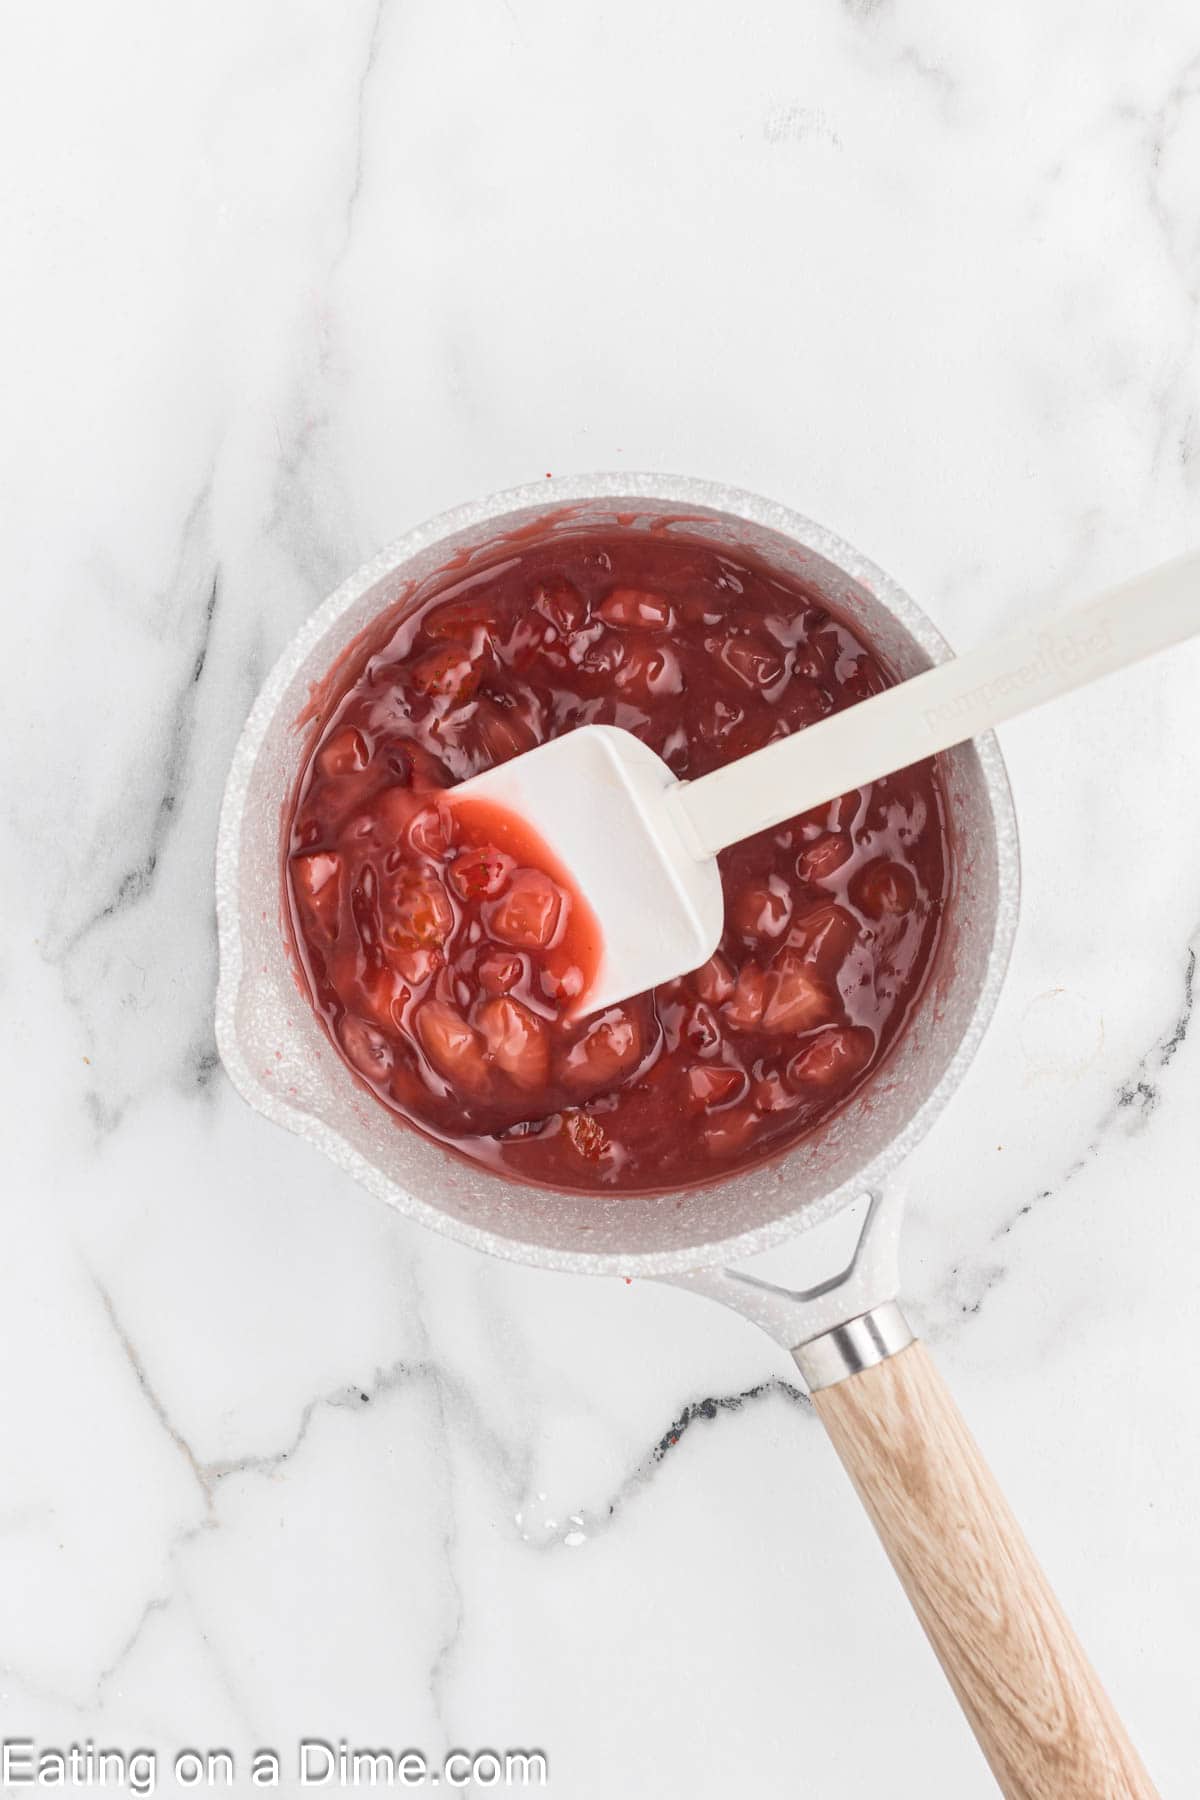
(672, 490)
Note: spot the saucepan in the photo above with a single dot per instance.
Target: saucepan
(1040, 1715)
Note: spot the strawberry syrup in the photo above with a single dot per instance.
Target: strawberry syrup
(446, 953)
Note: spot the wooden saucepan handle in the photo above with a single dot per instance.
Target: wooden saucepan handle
(1042, 1719)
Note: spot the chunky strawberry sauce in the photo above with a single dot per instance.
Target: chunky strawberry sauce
(446, 954)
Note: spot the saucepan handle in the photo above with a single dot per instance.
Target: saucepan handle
(1045, 1724)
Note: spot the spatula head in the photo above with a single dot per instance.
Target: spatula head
(597, 797)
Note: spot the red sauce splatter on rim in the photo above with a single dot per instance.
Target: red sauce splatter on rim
(445, 952)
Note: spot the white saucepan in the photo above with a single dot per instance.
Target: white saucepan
(1035, 1705)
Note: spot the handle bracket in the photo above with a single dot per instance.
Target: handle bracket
(801, 1315)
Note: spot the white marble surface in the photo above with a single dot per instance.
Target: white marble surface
(282, 279)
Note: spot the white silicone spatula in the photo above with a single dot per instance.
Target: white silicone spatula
(641, 845)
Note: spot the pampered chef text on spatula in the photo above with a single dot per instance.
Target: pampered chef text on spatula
(641, 846)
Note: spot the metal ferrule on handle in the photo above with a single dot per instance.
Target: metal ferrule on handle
(850, 1348)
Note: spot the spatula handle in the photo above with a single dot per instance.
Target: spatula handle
(944, 706)
(1034, 1702)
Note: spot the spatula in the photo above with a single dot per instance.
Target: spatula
(641, 846)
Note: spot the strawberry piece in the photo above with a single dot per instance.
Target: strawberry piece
(431, 830)
(603, 657)
(317, 880)
(585, 1135)
(382, 995)
(454, 1048)
(499, 970)
(700, 1031)
(863, 678)
(713, 980)
(561, 604)
(415, 767)
(401, 817)
(529, 642)
(712, 1084)
(770, 1094)
(528, 915)
(345, 754)
(420, 914)
(763, 908)
(817, 657)
(561, 977)
(468, 619)
(411, 812)
(718, 721)
(802, 703)
(418, 966)
(517, 1041)
(650, 670)
(824, 936)
(754, 732)
(884, 889)
(795, 999)
(826, 854)
(636, 609)
(406, 1086)
(364, 899)
(744, 1008)
(833, 1059)
(501, 732)
(446, 674)
(480, 873)
(845, 809)
(727, 1131)
(365, 1048)
(756, 662)
(392, 812)
(600, 654)
(609, 1048)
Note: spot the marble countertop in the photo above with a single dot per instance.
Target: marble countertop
(281, 280)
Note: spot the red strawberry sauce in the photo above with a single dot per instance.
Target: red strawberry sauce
(443, 949)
